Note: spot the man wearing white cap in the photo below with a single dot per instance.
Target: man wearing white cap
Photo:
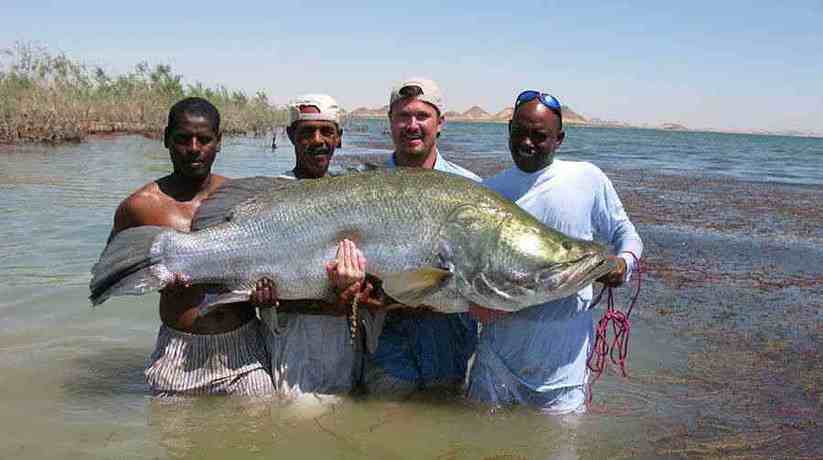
(314, 130)
(419, 350)
(310, 344)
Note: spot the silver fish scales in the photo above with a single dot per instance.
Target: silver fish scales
(432, 238)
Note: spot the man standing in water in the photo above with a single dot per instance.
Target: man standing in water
(310, 342)
(418, 349)
(537, 356)
(222, 352)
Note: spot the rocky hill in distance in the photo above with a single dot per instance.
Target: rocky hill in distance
(475, 114)
(362, 112)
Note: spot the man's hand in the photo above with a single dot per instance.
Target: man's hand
(486, 315)
(615, 277)
(264, 294)
(367, 296)
(178, 285)
(348, 268)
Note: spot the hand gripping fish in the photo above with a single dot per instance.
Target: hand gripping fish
(432, 238)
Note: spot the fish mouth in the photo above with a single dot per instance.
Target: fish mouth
(558, 281)
(582, 271)
(597, 266)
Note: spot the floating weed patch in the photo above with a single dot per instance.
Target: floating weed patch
(681, 276)
(755, 398)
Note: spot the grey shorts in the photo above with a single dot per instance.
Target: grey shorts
(311, 354)
(234, 362)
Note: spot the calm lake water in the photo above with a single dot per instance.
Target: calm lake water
(726, 356)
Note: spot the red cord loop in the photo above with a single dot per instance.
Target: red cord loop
(618, 349)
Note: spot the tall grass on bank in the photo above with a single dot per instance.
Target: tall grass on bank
(51, 98)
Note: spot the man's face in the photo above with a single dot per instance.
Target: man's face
(193, 145)
(414, 128)
(534, 135)
(314, 143)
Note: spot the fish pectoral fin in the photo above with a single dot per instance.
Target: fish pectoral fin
(410, 288)
(212, 300)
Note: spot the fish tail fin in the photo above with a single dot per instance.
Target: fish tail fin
(130, 264)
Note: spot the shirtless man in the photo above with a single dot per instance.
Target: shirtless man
(222, 352)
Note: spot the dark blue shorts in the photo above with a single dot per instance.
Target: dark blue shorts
(426, 348)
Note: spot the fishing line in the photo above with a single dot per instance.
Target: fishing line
(353, 319)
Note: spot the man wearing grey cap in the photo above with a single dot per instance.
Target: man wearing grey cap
(419, 350)
(309, 341)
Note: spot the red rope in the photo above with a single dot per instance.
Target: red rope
(621, 327)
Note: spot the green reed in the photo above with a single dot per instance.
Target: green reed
(48, 97)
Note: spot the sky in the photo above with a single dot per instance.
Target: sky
(755, 65)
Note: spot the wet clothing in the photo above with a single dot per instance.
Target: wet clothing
(537, 356)
(313, 353)
(422, 349)
(234, 362)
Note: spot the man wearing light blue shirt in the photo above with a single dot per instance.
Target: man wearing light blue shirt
(537, 356)
(419, 349)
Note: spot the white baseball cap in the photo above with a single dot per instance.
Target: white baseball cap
(327, 107)
(430, 92)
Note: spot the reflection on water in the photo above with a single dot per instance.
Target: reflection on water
(725, 352)
(365, 429)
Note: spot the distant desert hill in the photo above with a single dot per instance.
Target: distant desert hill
(474, 114)
(363, 112)
(673, 127)
(571, 117)
(504, 115)
(477, 114)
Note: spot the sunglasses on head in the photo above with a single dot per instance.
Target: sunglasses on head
(546, 99)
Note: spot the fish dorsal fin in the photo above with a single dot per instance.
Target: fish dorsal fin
(410, 288)
(237, 199)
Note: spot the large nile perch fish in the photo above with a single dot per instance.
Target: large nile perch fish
(432, 238)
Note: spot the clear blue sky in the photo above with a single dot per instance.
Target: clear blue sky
(721, 64)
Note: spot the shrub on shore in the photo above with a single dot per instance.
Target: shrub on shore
(52, 98)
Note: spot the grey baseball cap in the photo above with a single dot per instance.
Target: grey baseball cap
(430, 92)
